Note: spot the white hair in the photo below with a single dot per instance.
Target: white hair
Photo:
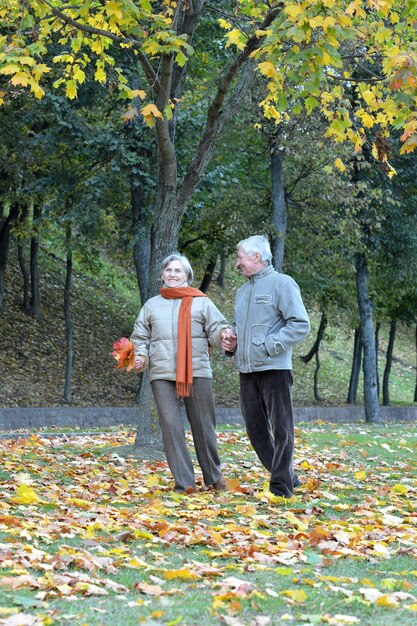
(184, 262)
(257, 243)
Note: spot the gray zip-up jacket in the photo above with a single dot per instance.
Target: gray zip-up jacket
(270, 318)
(155, 335)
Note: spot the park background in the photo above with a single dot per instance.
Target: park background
(132, 131)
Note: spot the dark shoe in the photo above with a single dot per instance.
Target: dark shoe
(281, 495)
(220, 485)
(186, 490)
(297, 483)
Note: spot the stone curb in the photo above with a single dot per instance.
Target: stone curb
(97, 417)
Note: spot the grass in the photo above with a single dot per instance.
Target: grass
(89, 537)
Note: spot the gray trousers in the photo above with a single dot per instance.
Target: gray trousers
(201, 414)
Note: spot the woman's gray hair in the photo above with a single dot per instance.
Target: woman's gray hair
(184, 262)
(257, 243)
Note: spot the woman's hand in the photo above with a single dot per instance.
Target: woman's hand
(228, 340)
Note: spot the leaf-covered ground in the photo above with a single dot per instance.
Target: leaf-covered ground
(89, 537)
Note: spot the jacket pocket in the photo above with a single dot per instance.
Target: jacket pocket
(257, 350)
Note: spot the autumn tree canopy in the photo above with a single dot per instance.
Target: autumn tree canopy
(356, 61)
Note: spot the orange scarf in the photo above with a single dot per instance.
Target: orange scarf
(184, 375)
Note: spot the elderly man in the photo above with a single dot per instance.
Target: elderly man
(270, 319)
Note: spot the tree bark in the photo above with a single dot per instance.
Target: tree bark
(222, 271)
(208, 275)
(4, 247)
(34, 267)
(141, 239)
(356, 367)
(316, 378)
(148, 434)
(415, 388)
(25, 275)
(372, 410)
(315, 352)
(377, 329)
(278, 214)
(316, 345)
(68, 317)
(388, 363)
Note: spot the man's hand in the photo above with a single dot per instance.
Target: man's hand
(228, 340)
(140, 361)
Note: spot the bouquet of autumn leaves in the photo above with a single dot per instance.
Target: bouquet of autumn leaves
(124, 353)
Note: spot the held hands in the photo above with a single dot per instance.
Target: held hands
(228, 340)
(140, 361)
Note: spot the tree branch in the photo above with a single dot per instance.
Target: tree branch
(134, 43)
(219, 112)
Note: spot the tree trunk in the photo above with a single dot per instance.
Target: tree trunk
(388, 363)
(356, 367)
(4, 247)
(222, 272)
(315, 352)
(316, 378)
(415, 388)
(25, 275)
(148, 434)
(164, 238)
(34, 267)
(208, 275)
(316, 345)
(372, 410)
(141, 239)
(68, 317)
(279, 215)
(377, 329)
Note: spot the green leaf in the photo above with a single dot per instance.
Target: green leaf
(181, 59)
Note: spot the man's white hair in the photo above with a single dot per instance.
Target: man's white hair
(257, 243)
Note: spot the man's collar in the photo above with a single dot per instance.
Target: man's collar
(263, 272)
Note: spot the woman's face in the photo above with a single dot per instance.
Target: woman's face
(174, 275)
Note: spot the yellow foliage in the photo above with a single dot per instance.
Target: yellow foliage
(100, 75)
(399, 488)
(113, 8)
(225, 24)
(21, 78)
(153, 480)
(80, 503)
(267, 69)
(71, 89)
(184, 574)
(341, 167)
(26, 495)
(236, 38)
(298, 596)
(293, 10)
(387, 601)
(150, 112)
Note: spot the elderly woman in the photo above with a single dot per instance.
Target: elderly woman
(172, 335)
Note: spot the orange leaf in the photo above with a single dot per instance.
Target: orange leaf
(124, 353)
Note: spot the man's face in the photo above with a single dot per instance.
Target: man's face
(248, 264)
